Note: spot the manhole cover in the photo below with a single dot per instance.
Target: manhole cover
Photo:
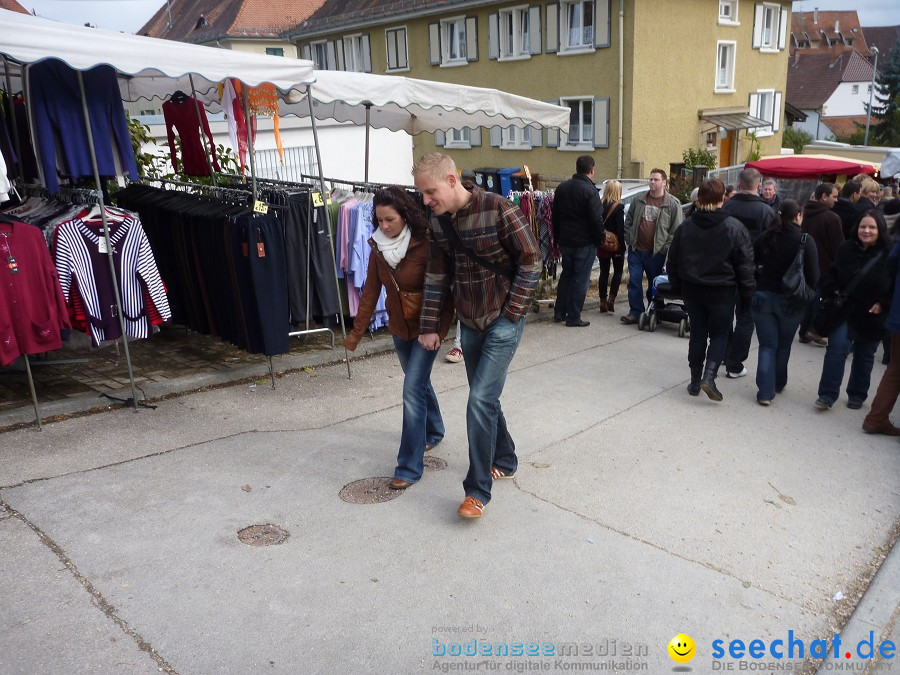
(434, 464)
(369, 491)
(263, 535)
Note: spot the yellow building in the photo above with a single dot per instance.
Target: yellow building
(644, 79)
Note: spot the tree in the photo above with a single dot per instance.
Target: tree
(886, 109)
(795, 139)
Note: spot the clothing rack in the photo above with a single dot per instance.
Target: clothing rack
(357, 185)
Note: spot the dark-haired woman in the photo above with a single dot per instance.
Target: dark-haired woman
(397, 264)
(862, 260)
(776, 316)
(710, 263)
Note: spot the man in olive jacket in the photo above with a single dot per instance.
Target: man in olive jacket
(649, 227)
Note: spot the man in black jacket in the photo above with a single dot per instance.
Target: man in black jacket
(749, 208)
(846, 206)
(578, 230)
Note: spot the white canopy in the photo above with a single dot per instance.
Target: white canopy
(890, 165)
(414, 106)
(151, 63)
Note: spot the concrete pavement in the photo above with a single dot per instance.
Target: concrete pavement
(638, 513)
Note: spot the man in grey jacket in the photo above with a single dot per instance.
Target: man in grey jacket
(649, 227)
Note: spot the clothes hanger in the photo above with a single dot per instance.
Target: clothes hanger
(178, 96)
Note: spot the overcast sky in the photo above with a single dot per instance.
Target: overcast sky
(130, 15)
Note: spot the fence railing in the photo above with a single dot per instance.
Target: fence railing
(297, 161)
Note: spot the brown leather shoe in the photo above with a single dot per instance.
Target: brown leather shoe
(886, 429)
(470, 508)
(399, 484)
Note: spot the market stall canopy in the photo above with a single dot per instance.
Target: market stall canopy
(153, 67)
(810, 166)
(416, 106)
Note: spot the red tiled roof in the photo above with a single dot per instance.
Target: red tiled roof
(883, 37)
(857, 70)
(812, 78)
(13, 6)
(842, 127)
(223, 19)
(846, 23)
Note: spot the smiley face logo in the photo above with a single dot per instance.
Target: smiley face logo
(682, 648)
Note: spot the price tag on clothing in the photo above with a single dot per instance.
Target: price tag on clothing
(260, 250)
(318, 201)
(260, 207)
(103, 244)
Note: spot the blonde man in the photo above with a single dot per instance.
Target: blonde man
(484, 252)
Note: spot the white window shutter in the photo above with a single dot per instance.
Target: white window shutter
(331, 58)
(758, 16)
(601, 122)
(776, 115)
(434, 43)
(537, 137)
(494, 36)
(366, 54)
(552, 28)
(307, 52)
(440, 138)
(534, 29)
(496, 135)
(754, 108)
(552, 134)
(475, 137)
(601, 23)
(339, 53)
(471, 38)
(783, 28)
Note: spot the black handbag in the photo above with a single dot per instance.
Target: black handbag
(832, 311)
(793, 283)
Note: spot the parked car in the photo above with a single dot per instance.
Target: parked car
(632, 188)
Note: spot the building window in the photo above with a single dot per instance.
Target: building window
(453, 40)
(516, 138)
(356, 53)
(868, 89)
(397, 55)
(319, 54)
(458, 138)
(725, 67)
(578, 25)
(766, 105)
(768, 23)
(581, 122)
(275, 51)
(855, 88)
(728, 11)
(514, 39)
(712, 140)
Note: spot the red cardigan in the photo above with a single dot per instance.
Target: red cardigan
(32, 306)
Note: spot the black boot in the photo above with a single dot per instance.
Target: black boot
(694, 387)
(708, 383)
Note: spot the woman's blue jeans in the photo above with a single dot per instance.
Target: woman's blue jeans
(839, 345)
(488, 355)
(422, 421)
(776, 321)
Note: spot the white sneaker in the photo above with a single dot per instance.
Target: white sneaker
(734, 376)
(455, 355)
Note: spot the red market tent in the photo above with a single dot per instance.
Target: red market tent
(810, 166)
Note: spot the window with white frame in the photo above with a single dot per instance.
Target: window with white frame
(725, 66)
(581, 121)
(397, 54)
(453, 40)
(577, 30)
(356, 53)
(514, 36)
(728, 11)
(458, 138)
(855, 88)
(768, 28)
(319, 54)
(515, 138)
(765, 104)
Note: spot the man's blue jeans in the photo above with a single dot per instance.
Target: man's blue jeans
(577, 262)
(776, 322)
(839, 346)
(488, 355)
(422, 421)
(641, 263)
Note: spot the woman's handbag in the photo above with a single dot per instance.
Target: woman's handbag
(611, 241)
(793, 283)
(410, 301)
(832, 311)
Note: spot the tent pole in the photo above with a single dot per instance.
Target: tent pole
(368, 105)
(212, 176)
(250, 140)
(20, 163)
(109, 249)
(34, 401)
(337, 284)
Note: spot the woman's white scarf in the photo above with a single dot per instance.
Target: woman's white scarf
(393, 250)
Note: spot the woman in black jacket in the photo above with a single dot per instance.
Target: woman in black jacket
(710, 263)
(861, 318)
(775, 315)
(613, 221)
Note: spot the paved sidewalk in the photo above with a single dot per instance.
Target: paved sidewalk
(637, 513)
